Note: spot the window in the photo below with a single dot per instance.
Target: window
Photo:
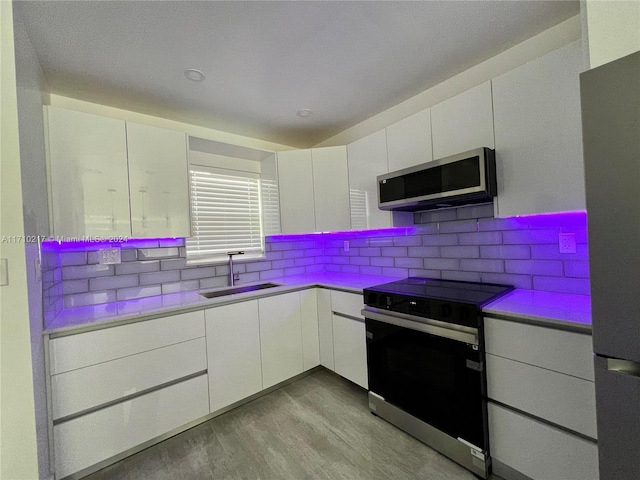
(225, 214)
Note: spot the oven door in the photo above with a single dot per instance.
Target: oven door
(429, 371)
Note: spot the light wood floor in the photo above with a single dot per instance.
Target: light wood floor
(319, 427)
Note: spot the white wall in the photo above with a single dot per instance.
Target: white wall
(32, 93)
(543, 43)
(613, 29)
(18, 450)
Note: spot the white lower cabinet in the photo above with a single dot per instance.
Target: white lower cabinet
(233, 346)
(89, 439)
(84, 388)
(350, 349)
(310, 331)
(280, 338)
(538, 450)
(325, 329)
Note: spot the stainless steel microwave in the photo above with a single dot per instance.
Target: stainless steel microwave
(462, 179)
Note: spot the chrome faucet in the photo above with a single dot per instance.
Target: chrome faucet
(232, 280)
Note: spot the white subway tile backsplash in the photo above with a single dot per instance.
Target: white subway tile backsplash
(422, 252)
(403, 262)
(86, 271)
(113, 282)
(480, 238)
(269, 274)
(157, 253)
(137, 267)
(458, 244)
(469, 251)
(298, 270)
(459, 226)
(534, 267)
(442, 239)
(73, 258)
(197, 273)
(138, 292)
(482, 265)
(180, 286)
(153, 278)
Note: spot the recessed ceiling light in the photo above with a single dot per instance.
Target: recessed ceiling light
(194, 75)
(305, 112)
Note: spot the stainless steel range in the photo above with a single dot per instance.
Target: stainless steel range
(425, 355)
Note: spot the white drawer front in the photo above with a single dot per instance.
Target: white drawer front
(347, 303)
(558, 350)
(87, 440)
(556, 397)
(90, 348)
(88, 387)
(538, 450)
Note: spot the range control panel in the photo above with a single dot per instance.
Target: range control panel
(436, 309)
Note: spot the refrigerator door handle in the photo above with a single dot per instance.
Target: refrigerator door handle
(623, 366)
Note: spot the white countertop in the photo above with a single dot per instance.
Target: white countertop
(559, 310)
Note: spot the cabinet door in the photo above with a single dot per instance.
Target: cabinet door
(367, 159)
(537, 450)
(325, 328)
(350, 349)
(233, 346)
(158, 182)
(310, 333)
(538, 135)
(463, 122)
(331, 189)
(280, 338)
(409, 141)
(88, 172)
(295, 179)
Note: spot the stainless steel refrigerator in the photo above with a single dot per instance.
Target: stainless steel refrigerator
(611, 136)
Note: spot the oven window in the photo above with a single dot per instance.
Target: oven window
(428, 377)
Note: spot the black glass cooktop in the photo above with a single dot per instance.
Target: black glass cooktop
(478, 294)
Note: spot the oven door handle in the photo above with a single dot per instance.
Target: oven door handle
(451, 331)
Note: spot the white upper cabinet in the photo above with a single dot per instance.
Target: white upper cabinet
(331, 189)
(314, 192)
(295, 179)
(158, 182)
(538, 135)
(88, 174)
(114, 178)
(463, 122)
(409, 141)
(367, 159)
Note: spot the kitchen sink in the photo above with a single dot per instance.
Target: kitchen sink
(242, 289)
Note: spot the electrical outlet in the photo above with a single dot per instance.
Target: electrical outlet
(109, 256)
(567, 242)
(346, 245)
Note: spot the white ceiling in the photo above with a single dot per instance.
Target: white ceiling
(265, 60)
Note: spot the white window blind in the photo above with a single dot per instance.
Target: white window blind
(225, 214)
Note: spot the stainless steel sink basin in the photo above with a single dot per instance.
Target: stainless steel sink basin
(242, 289)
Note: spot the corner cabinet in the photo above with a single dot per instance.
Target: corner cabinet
(538, 135)
(314, 190)
(367, 158)
(113, 178)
